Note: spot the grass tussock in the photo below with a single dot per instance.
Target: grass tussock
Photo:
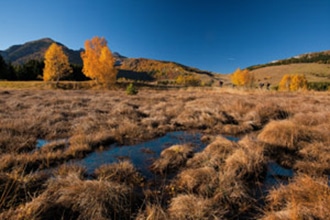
(263, 113)
(193, 207)
(286, 134)
(152, 212)
(70, 169)
(219, 182)
(122, 172)
(201, 181)
(16, 188)
(73, 198)
(214, 154)
(304, 198)
(239, 178)
(246, 162)
(314, 159)
(172, 158)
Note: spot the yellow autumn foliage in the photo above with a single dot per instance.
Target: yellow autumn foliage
(293, 82)
(285, 82)
(188, 80)
(56, 63)
(99, 61)
(242, 78)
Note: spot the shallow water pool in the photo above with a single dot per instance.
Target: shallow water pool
(143, 154)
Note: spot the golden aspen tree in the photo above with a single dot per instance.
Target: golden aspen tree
(56, 64)
(292, 82)
(298, 82)
(99, 61)
(242, 78)
(285, 82)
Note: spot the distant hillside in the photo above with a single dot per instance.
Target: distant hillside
(35, 50)
(129, 68)
(161, 70)
(316, 57)
(315, 66)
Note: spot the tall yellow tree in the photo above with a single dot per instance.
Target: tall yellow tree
(293, 82)
(285, 82)
(99, 61)
(242, 78)
(56, 64)
(298, 82)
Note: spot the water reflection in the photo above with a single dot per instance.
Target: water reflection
(142, 155)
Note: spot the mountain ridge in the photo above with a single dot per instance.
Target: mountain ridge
(35, 50)
(131, 68)
(322, 57)
(315, 65)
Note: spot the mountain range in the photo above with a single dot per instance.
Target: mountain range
(316, 66)
(35, 50)
(136, 68)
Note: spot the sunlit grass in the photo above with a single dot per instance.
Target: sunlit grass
(221, 181)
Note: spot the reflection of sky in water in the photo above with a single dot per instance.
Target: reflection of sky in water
(277, 170)
(41, 143)
(276, 174)
(142, 154)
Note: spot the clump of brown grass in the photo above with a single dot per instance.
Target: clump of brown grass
(84, 141)
(238, 179)
(312, 118)
(286, 134)
(238, 107)
(284, 139)
(234, 194)
(7, 161)
(214, 154)
(264, 112)
(193, 207)
(78, 150)
(121, 172)
(26, 163)
(232, 129)
(54, 146)
(201, 181)
(304, 198)
(17, 188)
(16, 136)
(172, 158)
(69, 169)
(73, 198)
(314, 159)
(152, 212)
(246, 162)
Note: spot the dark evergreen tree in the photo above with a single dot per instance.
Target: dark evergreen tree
(3, 68)
(77, 74)
(32, 70)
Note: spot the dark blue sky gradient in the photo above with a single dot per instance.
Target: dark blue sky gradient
(215, 35)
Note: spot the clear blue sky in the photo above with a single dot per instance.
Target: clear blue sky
(214, 35)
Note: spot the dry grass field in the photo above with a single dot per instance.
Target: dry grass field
(314, 72)
(226, 180)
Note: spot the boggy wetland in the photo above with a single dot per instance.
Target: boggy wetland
(206, 154)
